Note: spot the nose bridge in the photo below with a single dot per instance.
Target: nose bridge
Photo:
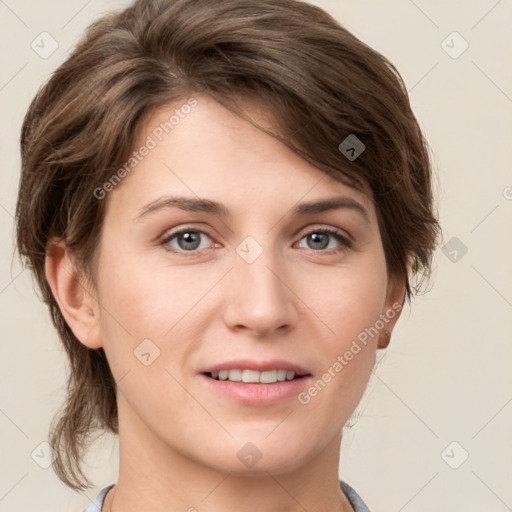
(260, 299)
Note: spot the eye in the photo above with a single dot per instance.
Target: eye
(187, 240)
(321, 239)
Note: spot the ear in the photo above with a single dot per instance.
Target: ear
(393, 307)
(73, 294)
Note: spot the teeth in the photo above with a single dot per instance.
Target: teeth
(253, 376)
(250, 375)
(268, 377)
(235, 375)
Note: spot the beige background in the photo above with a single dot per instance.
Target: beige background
(446, 375)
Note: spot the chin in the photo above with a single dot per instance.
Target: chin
(258, 458)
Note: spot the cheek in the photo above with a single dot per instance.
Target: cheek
(142, 295)
(355, 299)
(351, 308)
(141, 301)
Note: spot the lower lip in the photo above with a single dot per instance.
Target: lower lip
(257, 393)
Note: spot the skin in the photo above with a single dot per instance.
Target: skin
(298, 301)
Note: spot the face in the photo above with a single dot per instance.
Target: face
(259, 280)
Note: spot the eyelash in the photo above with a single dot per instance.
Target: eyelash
(345, 242)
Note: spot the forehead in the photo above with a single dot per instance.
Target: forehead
(208, 151)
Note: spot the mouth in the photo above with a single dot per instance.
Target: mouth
(256, 383)
(247, 376)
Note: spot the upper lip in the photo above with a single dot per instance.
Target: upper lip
(261, 366)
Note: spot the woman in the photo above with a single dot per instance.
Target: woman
(224, 204)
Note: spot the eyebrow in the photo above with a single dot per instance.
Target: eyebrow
(208, 206)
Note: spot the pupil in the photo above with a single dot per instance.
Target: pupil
(190, 239)
(317, 239)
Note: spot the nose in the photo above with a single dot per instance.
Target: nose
(260, 298)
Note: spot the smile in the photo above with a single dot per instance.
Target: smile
(253, 376)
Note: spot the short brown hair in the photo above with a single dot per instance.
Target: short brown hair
(321, 84)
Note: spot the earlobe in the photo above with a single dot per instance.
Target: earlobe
(75, 299)
(392, 309)
(384, 338)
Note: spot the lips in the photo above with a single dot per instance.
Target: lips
(257, 394)
(256, 383)
(259, 366)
